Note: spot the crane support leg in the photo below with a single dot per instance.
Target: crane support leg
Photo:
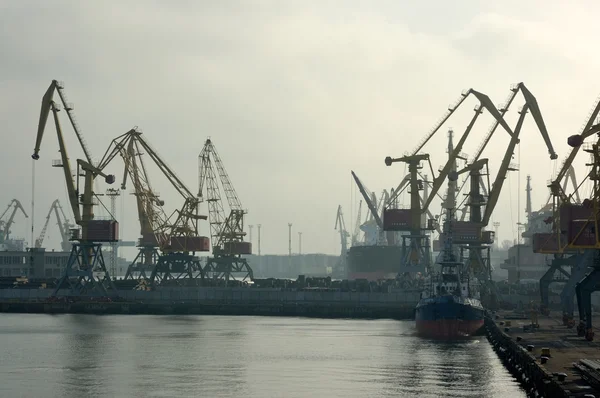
(229, 268)
(179, 269)
(584, 289)
(416, 254)
(579, 268)
(551, 276)
(545, 282)
(86, 273)
(142, 266)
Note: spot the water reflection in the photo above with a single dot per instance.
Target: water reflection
(181, 356)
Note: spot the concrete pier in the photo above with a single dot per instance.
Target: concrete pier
(542, 356)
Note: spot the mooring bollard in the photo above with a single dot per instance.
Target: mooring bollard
(529, 347)
(546, 352)
(543, 359)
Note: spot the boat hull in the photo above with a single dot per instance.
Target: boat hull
(449, 317)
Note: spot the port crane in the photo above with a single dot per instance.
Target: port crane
(567, 267)
(582, 233)
(176, 235)
(410, 220)
(470, 233)
(5, 225)
(86, 272)
(227, 229)
(340, 226)
(572, 240)
(151, 213)
(63, 226)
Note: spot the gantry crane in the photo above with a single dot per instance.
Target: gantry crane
(85, 271)
(63, 226)
(175, 235)
(151, 213)
(568, 267)
(582, 233)
(5, 225)
(340, 225)
(410, 220)
(227, 230)
(471, 232)
(572, 241)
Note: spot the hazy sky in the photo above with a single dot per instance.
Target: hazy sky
(294, 94)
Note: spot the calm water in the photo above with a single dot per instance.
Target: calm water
(206, 356)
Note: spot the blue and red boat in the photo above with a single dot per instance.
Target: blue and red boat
(449, 307)
(449, 317)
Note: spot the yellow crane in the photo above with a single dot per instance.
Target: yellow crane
(176, 234)
(86, 272)
(227, 228)
(410, 220)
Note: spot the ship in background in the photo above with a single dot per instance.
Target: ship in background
(522, 263)
(374, 254)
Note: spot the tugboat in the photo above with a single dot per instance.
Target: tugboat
(450, 306)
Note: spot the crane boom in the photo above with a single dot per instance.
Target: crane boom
(175, 181)
(533, 106)
(486, 103)
(535, 112)
(588, 130)
(47, 105)
(484, 100)
(504, 167)
(232, 198)
(367, 199)
(65, 162)
(227, 231)
(150, 208)
(438, 182)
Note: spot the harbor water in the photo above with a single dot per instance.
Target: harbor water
(212, 356)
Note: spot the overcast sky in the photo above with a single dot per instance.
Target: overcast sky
(294, 95)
